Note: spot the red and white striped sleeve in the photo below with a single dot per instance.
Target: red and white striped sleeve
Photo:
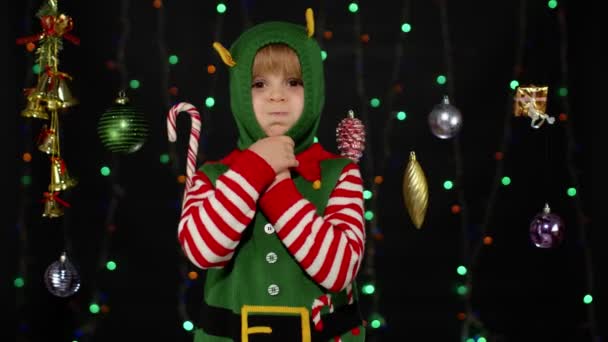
(329, 248)
(213, 218)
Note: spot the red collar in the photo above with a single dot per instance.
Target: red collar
(310, 161)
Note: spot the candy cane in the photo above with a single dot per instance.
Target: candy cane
(195, 130)
(317, 305)
(349, 293)
(325, 300)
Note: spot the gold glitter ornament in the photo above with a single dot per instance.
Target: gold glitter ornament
(415, 191)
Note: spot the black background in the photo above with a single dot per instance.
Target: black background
(521, 293)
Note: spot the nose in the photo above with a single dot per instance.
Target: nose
(277, 94)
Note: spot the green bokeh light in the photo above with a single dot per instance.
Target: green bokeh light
(111, 265)
(209, 102)
(462, 290)
(375, 102)
(221, 8)
(368, 289)
(323, 55)
(188, 326)
(105, 171)
(18, 282)
(134, 84)
(552, 4)
(26, 180)
(448, 184)
(461, 270)
(94, 308)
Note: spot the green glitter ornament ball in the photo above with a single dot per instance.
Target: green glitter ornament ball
(122, 128)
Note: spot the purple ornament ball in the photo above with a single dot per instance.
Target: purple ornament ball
(547, 229)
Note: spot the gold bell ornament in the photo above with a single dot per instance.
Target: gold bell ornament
(47, 141)
(53, 205)
(35, 107)
(415, 191)
(60, 180)
(59, 95)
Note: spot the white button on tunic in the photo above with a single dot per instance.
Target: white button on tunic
(268, 228)
(273, 289)
(271, 257)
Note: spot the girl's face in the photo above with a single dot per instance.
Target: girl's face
(278, 101)
(277, 90)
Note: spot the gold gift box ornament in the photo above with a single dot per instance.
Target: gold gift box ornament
(531, 101)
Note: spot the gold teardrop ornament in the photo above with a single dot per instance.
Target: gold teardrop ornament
(415, 191)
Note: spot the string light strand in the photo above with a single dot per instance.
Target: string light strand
(572, 172)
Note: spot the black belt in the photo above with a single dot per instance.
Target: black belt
(285, 327)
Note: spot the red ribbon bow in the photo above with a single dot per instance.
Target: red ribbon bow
(61, 163)
(44, 133)
(53, 26)
(51, 196)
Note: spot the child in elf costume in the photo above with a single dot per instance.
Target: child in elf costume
(278, 223)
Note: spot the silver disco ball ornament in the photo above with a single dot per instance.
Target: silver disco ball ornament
(61, 277)
(445, 120)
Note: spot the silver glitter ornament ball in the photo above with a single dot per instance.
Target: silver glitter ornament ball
(445, 120)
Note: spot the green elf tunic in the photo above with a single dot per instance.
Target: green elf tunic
(263, 293)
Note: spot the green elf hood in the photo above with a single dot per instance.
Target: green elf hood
(242, 54)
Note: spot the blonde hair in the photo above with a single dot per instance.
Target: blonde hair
(277, 58)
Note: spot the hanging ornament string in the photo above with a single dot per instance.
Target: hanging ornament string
(24, 195)
(368, 269)
(469, 317)
(87, 324)
(582, 220)
(500, 157)
(195, 129)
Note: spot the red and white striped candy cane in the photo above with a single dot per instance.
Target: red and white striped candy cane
(195, 130)
(317, 305)
(349, 293)
(325, 300)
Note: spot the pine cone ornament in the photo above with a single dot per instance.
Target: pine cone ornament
(350, 136)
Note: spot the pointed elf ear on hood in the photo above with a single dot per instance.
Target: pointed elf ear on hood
(224, 54)
(310, 22)
(227, 57)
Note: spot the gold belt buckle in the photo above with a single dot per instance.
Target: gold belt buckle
(246, 330)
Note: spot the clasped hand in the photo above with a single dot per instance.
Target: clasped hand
(278, 152)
